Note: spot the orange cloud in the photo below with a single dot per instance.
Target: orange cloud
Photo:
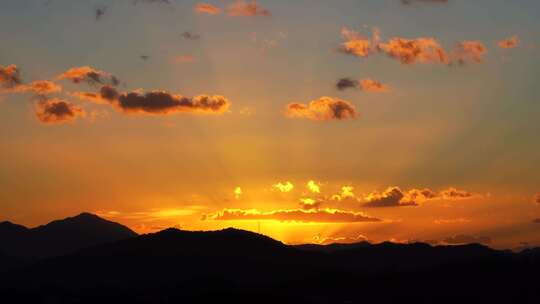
(157, 102)
(245, 8)
(89, 75)
(9, 76)
(205, 8)
(537, 198)
(323, 109)
(294, 215)
(370, 85)
(509, 43)
(467, 51)
(56, 111)
(356, 44)
(455, 194)
(411, 51)
(184, 59)
(408, 51)
(38, 87)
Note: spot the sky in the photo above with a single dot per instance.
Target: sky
(310, 121)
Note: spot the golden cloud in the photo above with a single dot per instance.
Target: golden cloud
(294, 215)
(323, 109)
(284, 187)
(310, 203)
(313, 186)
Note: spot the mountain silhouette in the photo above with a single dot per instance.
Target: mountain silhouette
(236, 266)
(59, 237)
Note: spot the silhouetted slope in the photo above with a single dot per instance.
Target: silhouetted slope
(60, 237)
(235, 266)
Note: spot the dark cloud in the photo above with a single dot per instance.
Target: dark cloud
(9, 76)
(323, 109)
(156, 102)
(190, 36)
(56, 111)
(145, 57)
(462, 239)
(346, 83)
(536, 221)
(99, 12)
(89, 75)
(294, 215)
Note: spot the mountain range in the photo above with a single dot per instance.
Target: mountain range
(86, 259)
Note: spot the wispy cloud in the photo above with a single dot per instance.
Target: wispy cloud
(206, 8)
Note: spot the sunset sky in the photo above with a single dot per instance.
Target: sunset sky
(309, 120)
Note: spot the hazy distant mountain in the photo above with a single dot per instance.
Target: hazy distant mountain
(60, 237)
(236, 266)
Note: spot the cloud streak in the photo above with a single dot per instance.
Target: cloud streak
(86, 74)
(206, 8)
(294, 215)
